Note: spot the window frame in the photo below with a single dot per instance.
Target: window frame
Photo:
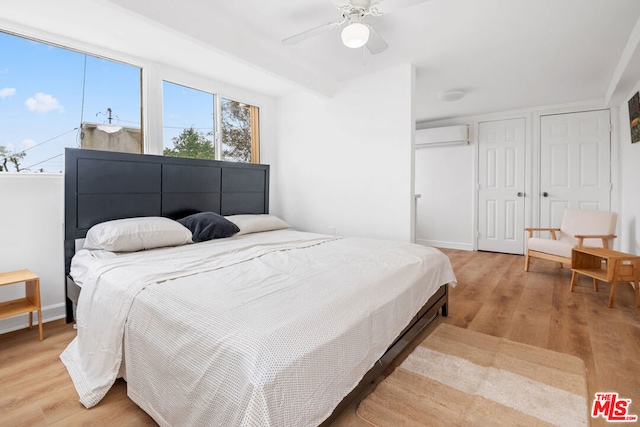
(217, 124)
(152, 75)
(86, 50)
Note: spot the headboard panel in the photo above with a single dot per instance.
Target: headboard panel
(103, 185)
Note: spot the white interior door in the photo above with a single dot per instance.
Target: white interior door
(575, 163)
(501, 196)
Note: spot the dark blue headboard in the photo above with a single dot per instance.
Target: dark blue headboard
(103, 185)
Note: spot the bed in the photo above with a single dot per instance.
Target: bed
(273, 327)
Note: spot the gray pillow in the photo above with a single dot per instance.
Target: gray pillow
(208, 225)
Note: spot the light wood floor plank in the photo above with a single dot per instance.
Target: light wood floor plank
(494, 296)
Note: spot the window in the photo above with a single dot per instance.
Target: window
(188, 122)
(239, 132)
(51, 98)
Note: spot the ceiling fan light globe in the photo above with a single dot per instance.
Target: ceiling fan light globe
(355, 35)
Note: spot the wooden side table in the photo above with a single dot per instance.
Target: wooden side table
(606, 265)
(28, 304)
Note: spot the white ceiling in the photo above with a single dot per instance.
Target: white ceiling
(506, 54)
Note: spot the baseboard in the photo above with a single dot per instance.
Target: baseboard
(21, 321)
(445, 245)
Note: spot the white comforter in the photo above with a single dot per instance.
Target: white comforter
(269, 329)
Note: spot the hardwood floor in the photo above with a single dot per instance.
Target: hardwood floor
(494, 296)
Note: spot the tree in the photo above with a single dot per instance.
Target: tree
(193, 144)
(236, 131)
(6, 156)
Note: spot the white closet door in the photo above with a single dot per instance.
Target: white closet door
(501, 197)
(574, 164)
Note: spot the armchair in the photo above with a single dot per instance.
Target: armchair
(579, 228)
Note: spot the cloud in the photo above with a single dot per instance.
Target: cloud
(43, 103)
(7, 92)
(27, 143)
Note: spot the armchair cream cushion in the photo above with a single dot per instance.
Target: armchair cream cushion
(579, 228)
(550, 246)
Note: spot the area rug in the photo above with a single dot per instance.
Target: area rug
(461, 377)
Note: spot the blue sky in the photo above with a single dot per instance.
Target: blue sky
(42, 102)
(184, 107)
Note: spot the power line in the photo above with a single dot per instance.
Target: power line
(185, 127)
(44, 142)
(84, 83)
(129, 121)
(50, 158)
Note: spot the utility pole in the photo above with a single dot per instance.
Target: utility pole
(110, 116)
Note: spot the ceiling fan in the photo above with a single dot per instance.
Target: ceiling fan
(355, 33)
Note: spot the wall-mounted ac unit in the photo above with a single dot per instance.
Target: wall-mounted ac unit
(448, 135)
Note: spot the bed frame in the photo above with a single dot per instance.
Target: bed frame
(101, 186)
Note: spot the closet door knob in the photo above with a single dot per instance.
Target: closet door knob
(520, 194)
(545, 194)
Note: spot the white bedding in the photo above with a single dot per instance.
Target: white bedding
(269, 329)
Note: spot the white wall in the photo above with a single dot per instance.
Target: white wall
(629, 217)
(31, 221)
(627, 76)
(346, 161)
(444, 180)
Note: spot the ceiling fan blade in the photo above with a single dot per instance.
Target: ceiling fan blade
(387, 6)
(311, 33)
(376, 43)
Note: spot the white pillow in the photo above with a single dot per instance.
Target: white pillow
(136, 234)
(256, 223)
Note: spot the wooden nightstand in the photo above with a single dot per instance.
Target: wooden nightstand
(606, 265)
(30, 303)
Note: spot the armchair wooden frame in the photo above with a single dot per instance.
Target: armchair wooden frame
(560, 259)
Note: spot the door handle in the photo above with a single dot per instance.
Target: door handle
(521, 194)
(545, 194)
